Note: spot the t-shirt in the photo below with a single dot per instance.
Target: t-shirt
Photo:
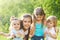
(25, 33)
(52, 31)
(39, 30)
(15, 33)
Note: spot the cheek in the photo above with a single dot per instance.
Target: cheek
(13, 26)
(29, 24)
(18, 26)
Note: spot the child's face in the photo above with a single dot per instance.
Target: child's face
(27, 22)
(50, 24)
(38, 17)
(16, 24)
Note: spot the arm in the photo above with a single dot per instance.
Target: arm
(53, 35)
(4, 34)
(32, 30)
(44, 34)
(12, 36)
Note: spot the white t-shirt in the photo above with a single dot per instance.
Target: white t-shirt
(15, 33)
(25, 33)
(52, 31)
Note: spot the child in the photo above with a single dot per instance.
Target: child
(26, 21)
(11, 19)
(51, 31)
(16, 33)
(38, 24)
(10, 28)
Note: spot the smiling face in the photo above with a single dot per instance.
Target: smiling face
(16, 24)
(50, 23)
(26, 22)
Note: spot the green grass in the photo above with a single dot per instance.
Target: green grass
(3, 38)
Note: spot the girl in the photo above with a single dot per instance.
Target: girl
(16, 34)
(38, 24)
(10, 28)
(51, 31)
(27, 20)
(11, 19)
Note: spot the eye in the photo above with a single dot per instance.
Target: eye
(25, 21)
(14, 24)
(50, 23)
(18, 24)
(29, 21)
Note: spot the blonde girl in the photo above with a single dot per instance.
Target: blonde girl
(50, 31)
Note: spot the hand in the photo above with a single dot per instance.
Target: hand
(1, 33)
(18, 34)
(13, 35)
(46, 32)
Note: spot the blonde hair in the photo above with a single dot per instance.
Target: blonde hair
(11, 28)
(12, 18)
(54, 20)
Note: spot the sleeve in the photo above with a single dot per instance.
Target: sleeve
(11, 32)
(53, 31)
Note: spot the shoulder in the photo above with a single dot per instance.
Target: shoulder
(53, 30)
(13, 30)
(56, 29)
(21, 31)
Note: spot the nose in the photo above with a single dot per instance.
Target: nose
(16, 25)
(27, 23)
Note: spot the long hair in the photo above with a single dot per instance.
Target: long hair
(26, 16)
(38, 11)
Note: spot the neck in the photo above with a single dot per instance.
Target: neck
(39, 21)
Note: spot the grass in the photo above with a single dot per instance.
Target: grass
(3, 38)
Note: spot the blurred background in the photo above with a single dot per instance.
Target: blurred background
(17, 8)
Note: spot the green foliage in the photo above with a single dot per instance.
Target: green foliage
(16, 8)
